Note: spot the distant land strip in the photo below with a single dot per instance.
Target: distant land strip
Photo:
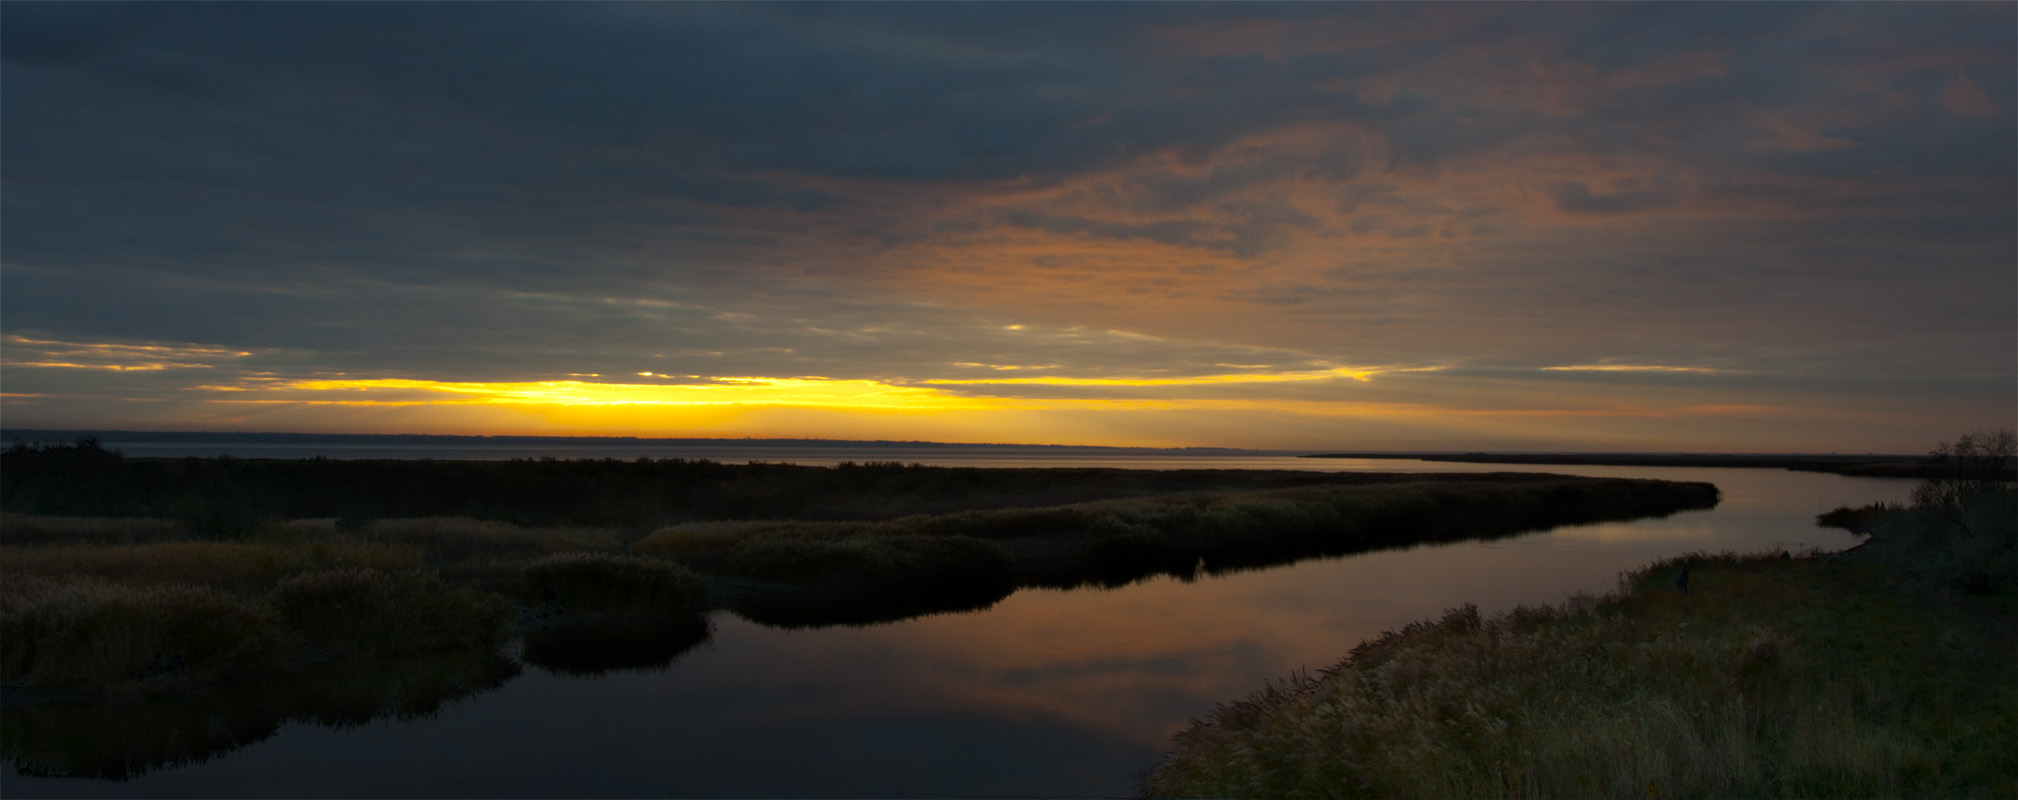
(1866, 465)
(109, 437)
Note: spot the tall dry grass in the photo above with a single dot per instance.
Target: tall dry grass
(603, 582)
(27, 530)
(87, 634)
(452, 541)
(245, 568)
(1769, 676)
(1115, 541)
(353, 613)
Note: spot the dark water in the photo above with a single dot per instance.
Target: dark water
(1047, 693)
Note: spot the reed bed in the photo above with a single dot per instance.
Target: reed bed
(1823, 676)
(446, 541)
(244, 568)
(24, 530)
(86, 634)
(320, 589)
(367, 613)
(603, 582)
(1115, 541)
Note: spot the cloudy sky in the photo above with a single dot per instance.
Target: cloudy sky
(1715, 227)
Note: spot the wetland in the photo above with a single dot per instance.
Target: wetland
(1069, 680)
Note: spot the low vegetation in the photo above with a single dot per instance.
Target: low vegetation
(606, 583)
(88, 633)
(1885, 671)
(1115, 541)
(224, 583)
(366, 613)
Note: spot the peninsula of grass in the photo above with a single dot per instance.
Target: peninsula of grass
(1883, 671)
(255, 569)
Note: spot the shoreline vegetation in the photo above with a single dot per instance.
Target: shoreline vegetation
(152, 576)
(1867, 466)
(1885, 670)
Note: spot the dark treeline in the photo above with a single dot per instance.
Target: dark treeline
(227, 497)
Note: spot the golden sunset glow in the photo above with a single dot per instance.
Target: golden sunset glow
(799, 392)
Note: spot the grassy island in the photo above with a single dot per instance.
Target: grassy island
(1888, 670)
(139, 575)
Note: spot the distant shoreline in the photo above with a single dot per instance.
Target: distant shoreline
(65, 435)
(1867, 465)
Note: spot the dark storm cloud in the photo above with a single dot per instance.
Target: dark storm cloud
(408, 127)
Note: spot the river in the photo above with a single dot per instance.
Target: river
(1046, 694)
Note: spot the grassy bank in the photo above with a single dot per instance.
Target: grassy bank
(173, 616)
(94, 604)
(1888, 671)
(1116, 541)
(230, 498)
(1868, 466)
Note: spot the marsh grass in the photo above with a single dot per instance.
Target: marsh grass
(376, 588)
(84, 634)
(1116, 541)
(367, 613)
(22, 530)
(451, 541)
(1770, 676)
(600, 612)
(1968, 544)
(246, 568)
(602, 582)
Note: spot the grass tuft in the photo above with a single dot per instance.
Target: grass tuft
(602, 582)
(371, 613)
(89, 634)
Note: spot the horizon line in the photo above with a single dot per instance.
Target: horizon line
(13, 435)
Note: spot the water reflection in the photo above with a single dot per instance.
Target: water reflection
(1045, 693)
(595, 644)
(125, 738)
(856, 606)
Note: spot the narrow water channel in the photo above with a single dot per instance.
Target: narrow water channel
(1046, 694)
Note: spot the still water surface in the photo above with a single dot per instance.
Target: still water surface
(1048, 693)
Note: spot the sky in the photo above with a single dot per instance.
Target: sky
(1317, 226)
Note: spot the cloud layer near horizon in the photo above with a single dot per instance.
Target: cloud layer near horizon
(1670, 226)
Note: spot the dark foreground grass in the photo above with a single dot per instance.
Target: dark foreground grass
(1889, 671)
(179, 616)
